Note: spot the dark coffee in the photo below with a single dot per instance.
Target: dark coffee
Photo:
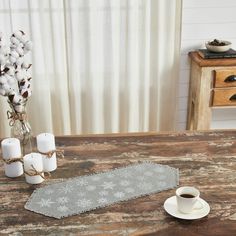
(186, 195)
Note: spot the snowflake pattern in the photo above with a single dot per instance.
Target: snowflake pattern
(103, 193)
(145, 186)
(66, 189)
(102, 200)
(86, 193)
(124, 183)
(84, 203)
(108, 185)
(62, 200)
(49, 191)
(45, 202)
(82, 182)
(119, 194)
(63, 208)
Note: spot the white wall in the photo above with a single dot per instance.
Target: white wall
(203, 20)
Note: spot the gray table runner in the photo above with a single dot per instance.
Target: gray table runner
(85, 193)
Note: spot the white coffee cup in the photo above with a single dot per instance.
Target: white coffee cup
(187, 198)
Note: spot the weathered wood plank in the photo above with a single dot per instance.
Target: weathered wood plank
(206, 160)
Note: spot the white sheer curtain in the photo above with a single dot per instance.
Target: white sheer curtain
(98, 65)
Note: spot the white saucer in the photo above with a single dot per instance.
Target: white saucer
(170, 206)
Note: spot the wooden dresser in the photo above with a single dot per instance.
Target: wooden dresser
(212, 84)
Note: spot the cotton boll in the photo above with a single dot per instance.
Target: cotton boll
(12, 59)
(27, 74)
(17, 98)
(20, 75)
(2, 59)
(21, 45)
(7, 88)
(26, 63)
(28, 45)
(17, 68)
(18, 34)
(13, 47)
(22, 84)
(2, 92)
(20, 51)
(14, 54)
(23, 39)
(11, 80)
(3, 79)
(11, 96)
(14, 40)
(25, 85)
(22, 91)
(19, 61)
(18, 106)
(5, 50)
(11, 71)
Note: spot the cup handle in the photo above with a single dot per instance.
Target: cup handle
(198, 207)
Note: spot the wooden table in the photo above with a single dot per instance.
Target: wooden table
(206, 160)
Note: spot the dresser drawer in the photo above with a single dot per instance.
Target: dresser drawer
(224, 97)
(225, 78)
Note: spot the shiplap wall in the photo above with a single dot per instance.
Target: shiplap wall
(204, 20)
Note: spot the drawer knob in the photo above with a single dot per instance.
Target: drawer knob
(232, 98)
(230, 79)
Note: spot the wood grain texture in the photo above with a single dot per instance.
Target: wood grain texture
(199, 105)
(211, 62)
(221, 75)
(206, 160)
(222, 97)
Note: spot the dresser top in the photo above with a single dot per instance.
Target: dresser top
(211, 62)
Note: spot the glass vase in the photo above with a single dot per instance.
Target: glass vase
(20, 127)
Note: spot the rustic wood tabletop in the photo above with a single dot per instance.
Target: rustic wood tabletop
(206, 160)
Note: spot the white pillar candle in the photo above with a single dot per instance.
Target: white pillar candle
(32, 163)
(11, 149)
(46, 144)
